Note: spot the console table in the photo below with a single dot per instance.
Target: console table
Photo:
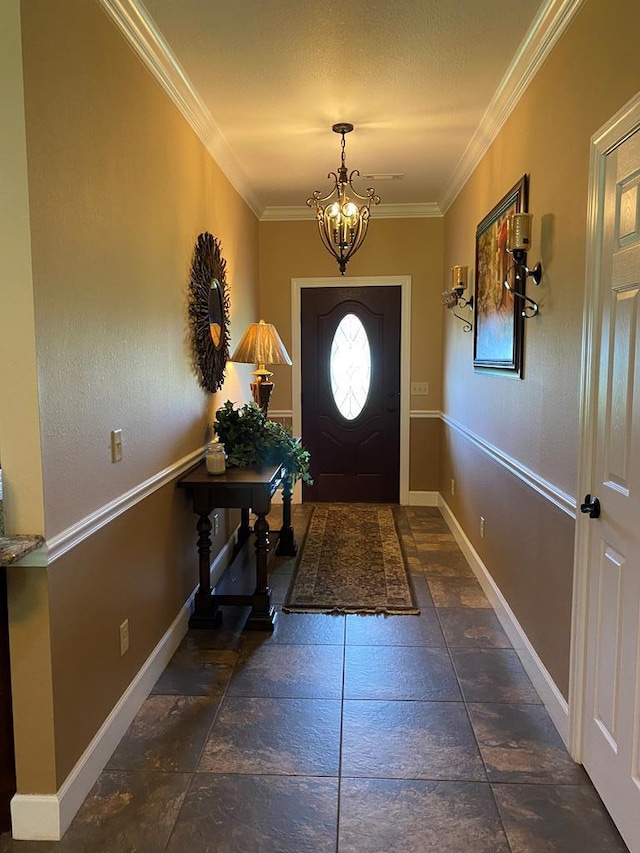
(245, 489)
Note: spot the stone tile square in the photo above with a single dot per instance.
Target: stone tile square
(234, 814)
(380, 815)
(197, 671)
(399, 672)
(421, 592)
(422, 630)
(321, 629)
(563, 818)
(439, 562)
(279, 586)
(423, 512)
(123, 812)
(472, 627)
(274, 736)
(492, 675)
(439, 542)
(293, 671)
(457, 592)
(428, 525)
(519, 743)
(226, 635)
(409, 740)
(167, 734)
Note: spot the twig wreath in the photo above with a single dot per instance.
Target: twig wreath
(209, 312)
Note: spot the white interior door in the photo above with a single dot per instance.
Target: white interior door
(611, 722)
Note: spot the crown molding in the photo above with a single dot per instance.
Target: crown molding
(382, 211)
(550, 23)
(138, 28)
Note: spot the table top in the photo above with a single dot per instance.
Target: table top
(263, 476)
(241, 488)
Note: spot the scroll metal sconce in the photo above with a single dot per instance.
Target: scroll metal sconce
(455, 296)
(518, 243)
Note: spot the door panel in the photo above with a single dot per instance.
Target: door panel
(612, 685)
(358, 459)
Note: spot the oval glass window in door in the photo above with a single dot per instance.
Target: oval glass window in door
(350, 367)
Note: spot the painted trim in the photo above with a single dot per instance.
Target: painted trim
(418, 414)
(62, 542)
(280, 413)
(564, 501)
(550, 23)
(424, 498)
(404, 282)
(140, 31)
(553, 700)
(300, 212)
(608, 137)
(37, 817)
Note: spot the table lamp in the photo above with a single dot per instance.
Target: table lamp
(261, 344)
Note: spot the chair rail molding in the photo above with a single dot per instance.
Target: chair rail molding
(67, 539)
(557, 496)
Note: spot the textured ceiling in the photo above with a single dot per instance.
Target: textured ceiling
(415, 77)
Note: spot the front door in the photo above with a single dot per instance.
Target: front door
(611, 728)
(350, 377)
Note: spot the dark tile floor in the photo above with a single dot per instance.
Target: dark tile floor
(356, 734)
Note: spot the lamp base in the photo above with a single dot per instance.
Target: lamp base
(262, 391)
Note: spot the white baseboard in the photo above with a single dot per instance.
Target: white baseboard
(552, 698)
(424, 499)
(36, 817)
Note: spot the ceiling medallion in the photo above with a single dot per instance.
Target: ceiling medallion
(342, 224)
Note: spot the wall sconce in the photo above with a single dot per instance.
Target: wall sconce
(455, 296)
(261, 345)
(518, 243)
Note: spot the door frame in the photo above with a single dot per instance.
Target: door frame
(625, 122)
(402, 281)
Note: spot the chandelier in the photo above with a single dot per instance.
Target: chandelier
(342, 224)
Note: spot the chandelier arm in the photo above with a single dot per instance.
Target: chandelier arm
(371, 193)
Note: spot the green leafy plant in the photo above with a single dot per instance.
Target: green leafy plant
(249, 438)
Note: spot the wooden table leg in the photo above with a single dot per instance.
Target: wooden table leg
(244, 531)
(263, 615)
(205, 613)
(287, 545)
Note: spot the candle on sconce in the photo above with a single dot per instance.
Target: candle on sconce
(519, 232)
(459, 277)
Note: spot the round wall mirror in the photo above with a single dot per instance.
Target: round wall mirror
(209, 312)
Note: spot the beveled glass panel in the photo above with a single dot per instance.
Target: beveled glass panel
(350, 367)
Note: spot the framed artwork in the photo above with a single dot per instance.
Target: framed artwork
(499, 326)
(209, 312)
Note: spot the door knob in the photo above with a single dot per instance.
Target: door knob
(591, 506)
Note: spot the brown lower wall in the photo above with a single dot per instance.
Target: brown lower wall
(527, 548)
(142, 567)
(424, 454)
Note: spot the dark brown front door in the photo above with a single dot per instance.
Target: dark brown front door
(354, 438)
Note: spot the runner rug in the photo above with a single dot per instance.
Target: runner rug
(352, 562)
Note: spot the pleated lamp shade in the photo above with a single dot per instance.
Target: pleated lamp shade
(261, 344)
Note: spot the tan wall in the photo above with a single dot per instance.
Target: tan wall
(119, 189)
(590, 74)
(392, 247)
(19, 417)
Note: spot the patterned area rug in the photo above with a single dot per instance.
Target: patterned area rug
(352, 562)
